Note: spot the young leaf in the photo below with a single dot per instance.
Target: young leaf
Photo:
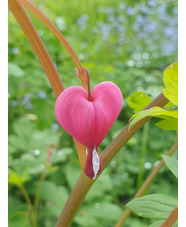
(138, 101)
(157, 206)
(171, 83)
(172, 164)
(168, 124)
(154, 112)
(17, 179)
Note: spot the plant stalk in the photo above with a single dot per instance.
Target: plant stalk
(32, 8)
(172, 218)
(37, 45)
(143, 153)
(27, 199)
(145, 185)
(84, 183)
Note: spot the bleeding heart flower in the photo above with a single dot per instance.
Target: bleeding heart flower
(89, 121)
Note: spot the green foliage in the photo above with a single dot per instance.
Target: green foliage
(171, 83)
(158, 223)
(168, 117)
(172, 164)
(99, 214)
(154, 206)
(138, 101)
(170, 121)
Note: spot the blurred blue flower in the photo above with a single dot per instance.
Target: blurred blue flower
(15, 50)
(42, 95)
(144, 9)
(26, 101)
(120, 29)
(105, 31)
(109, 10)
(140, 19)
(130, 11)
(175, 10)
(111, 18)
(150, 27)
(122, 5)
(14, 102)
(55, 126)
(28, 106)
(83, 19)
(168, 48)
(152, 3)
(162, 12)
(84, 44)
(169, 31)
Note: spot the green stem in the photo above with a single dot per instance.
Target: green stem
(43, 175)
(84, 183)
(28, 201)
(145, 185)
(143, 153)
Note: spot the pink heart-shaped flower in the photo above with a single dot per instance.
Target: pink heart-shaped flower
(89, 121)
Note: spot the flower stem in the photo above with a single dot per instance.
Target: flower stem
(88, 84)
(43, 175)
(143, 153)
(145, 185)
(172, 218)
(37, 45)
(84, 183)
(32, 8)
(27, 199)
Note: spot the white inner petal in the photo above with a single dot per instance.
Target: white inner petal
(86, 151)
(95, 162)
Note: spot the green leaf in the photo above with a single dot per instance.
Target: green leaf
(103, 184)
(72, 173)
(157, 206)
(172, 164)
(158, 223)
(138, 101)
(17, 179)
(55, 196)
(171, 83)
(154, 112)
(15, 70)
(17, 213)
(104, 211)
(61, 155)
(85, 220)
(50, 192)
(168, 124)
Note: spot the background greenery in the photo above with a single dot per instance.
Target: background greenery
(127, 42)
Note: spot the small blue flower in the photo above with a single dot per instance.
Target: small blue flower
(55, 126)
(42, 95)
(130, 11)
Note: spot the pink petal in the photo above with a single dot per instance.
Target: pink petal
(107, 100)
(76, 115)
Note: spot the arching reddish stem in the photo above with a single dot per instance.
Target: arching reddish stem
(88, 82)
